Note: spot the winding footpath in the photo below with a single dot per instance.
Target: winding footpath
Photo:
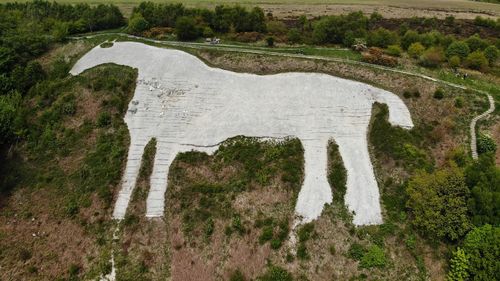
(262, 51)
(473, 145)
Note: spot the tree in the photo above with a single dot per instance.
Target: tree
(409, 38)
(137, 24)
(476, 43)
(437, 203)
(479, 256)
(416, 49)
(483, 179)
(294, 36)
(477, 60)
(382, 38)
(60, 31)
(454, 61)
(491, 53)
(186, 28)
(458, 48)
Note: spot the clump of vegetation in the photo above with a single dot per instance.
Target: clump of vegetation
(304, 234)
(276, 273)
(274, 232)
(439, 94)
(438, 203)
(477, 258)
(373, 257)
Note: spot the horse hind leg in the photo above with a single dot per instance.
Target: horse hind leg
(315, 191)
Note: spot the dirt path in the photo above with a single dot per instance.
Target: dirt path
(260, 51)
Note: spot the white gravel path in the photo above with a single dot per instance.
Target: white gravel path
(187, 105)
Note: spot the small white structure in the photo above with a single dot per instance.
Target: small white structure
(194, 106)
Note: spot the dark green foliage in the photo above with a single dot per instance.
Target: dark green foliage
(382, 38)
(477, 60)
(438, 203)
(478, 258)
(304, 234)
(186, 28)
(335, 29)
(103, 119)
(458, 48)
(356, 251)
(338, 174)
(438, 94)
(9, 105)
(137, 24)
(475, 43)
(276, 273)
(483, 179)
(410, 37)
(485, 144)
(272, 231)
(237, 275)
(491, 53)
(294, 36)
(270, 41)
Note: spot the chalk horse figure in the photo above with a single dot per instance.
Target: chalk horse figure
(187, 105)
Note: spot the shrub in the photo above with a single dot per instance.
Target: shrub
(294, 36)
(270, 41)
(458, 48)
(374, 257)
(439, 94)
(409, 38)
(104, 119)
(356, 251)
(477, 259)
(137, 24)
(485, 144)
(476, 43)
(459, 102)
(276, 273)
(432, 58)
(382, 38)
(276, 27)
(454, 61)
(237, 275)
(476, 60)
(208, 32)
(491, 53)
(186, 28)
(437, 203)
(393, 50)
(416, 49)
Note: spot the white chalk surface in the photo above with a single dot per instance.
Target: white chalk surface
(186, 105)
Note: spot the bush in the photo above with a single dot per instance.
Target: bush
(485, 144)
(186, 28)
(104, 119)
(137, 24)
(476, 60)
(454, 61)
(437, 203)
(409, 38)
(439, 94)
(416, 49)
(477, 259)
(432, 58)
(458, 48)
(374, 257)
(491, 53)
(382, 38)
(475, 43)
(294, 36)
(393, 50)
(276, 273)
(237, 275)
(356, 251)
(276, 27)
(459, 102)
(270, 41)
